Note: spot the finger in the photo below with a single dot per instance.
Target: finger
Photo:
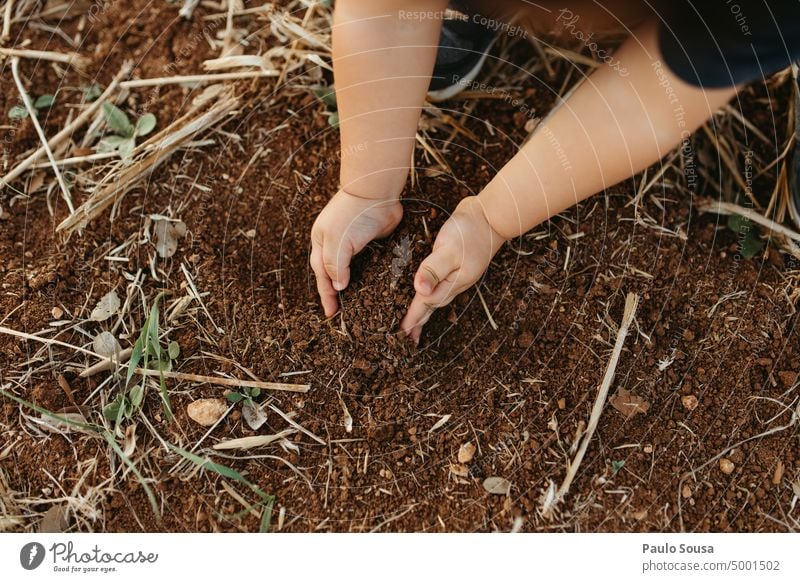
(433, 270)
(336, 262)
(327, 293)
(423, 306)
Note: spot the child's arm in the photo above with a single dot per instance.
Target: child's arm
(383, 57)
(611, 127)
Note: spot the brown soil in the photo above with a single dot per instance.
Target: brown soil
(518, 393)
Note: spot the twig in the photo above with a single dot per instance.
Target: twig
(7, 21)
(631, 301)
(68, 130)
(725, 208)
(107, 364)
(195, 79)
(294, 424)
(32, 114)
(218, 380)
(66, 58)
(486, 309)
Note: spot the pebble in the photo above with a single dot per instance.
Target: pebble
(689, 401)
(206, 411)
(56, 312)
(466, 452)
(726, 466)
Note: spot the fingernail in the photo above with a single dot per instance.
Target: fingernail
(338, 285)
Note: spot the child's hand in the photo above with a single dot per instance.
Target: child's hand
(461, 253)
(343, 228)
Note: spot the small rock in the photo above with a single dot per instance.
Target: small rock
(525, 340)
(686, 491)
(726, 466)
(688, 335)
(56, 312)
(689, 401)
(788, 378)
(648, 449)
(629, 404)
(777, 476)
(466, 452)
(206, 411)
(497, 485)
(562, 403)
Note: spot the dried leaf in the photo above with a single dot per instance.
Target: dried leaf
(106, 307)
(466, 452)
(55, 520)
(497, 485)
(459, 471)
(167, 234)
(207, 411)
(253, 416)
(106, 345)
(440, 423)
(129, 443)
(628, 403)
(253, 441)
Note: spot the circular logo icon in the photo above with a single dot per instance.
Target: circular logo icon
(31, 555)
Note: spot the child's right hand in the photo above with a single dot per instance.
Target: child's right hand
(343, 228)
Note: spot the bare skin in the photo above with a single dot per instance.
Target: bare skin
(609, 129)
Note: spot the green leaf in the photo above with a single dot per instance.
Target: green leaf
(736, 222)
(152, 329)
(234, 397)
(266, 517)
(17, 112)
(92, 92)
(117, 120)
(616, 466)
(327, 95)
(174, 350)
(111, 410)
(44, 101)
(165, 398)
(136, 395)
(136, 357)
(145, 124)
(751, 245)
(255, 392)
(125, 148)
(333, 119)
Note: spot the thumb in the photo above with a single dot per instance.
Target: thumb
(433, 270)
(336, 260)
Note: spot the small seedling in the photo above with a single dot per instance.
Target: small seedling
(153, 356)
(41, 102)
(750, 244)
(245, 396)
(616, 466)
(125, 133)
(92, 92)
(327, 95)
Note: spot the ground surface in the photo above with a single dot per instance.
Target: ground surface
(709, 325)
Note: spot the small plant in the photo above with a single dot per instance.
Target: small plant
(153, 356)
(41, 102)
(616, 466)
(750, 244)
(251, 411)
(327, 95)
(125, 133)
(91, 92)
(245, 396)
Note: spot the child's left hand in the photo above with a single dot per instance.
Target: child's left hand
(461, 253)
